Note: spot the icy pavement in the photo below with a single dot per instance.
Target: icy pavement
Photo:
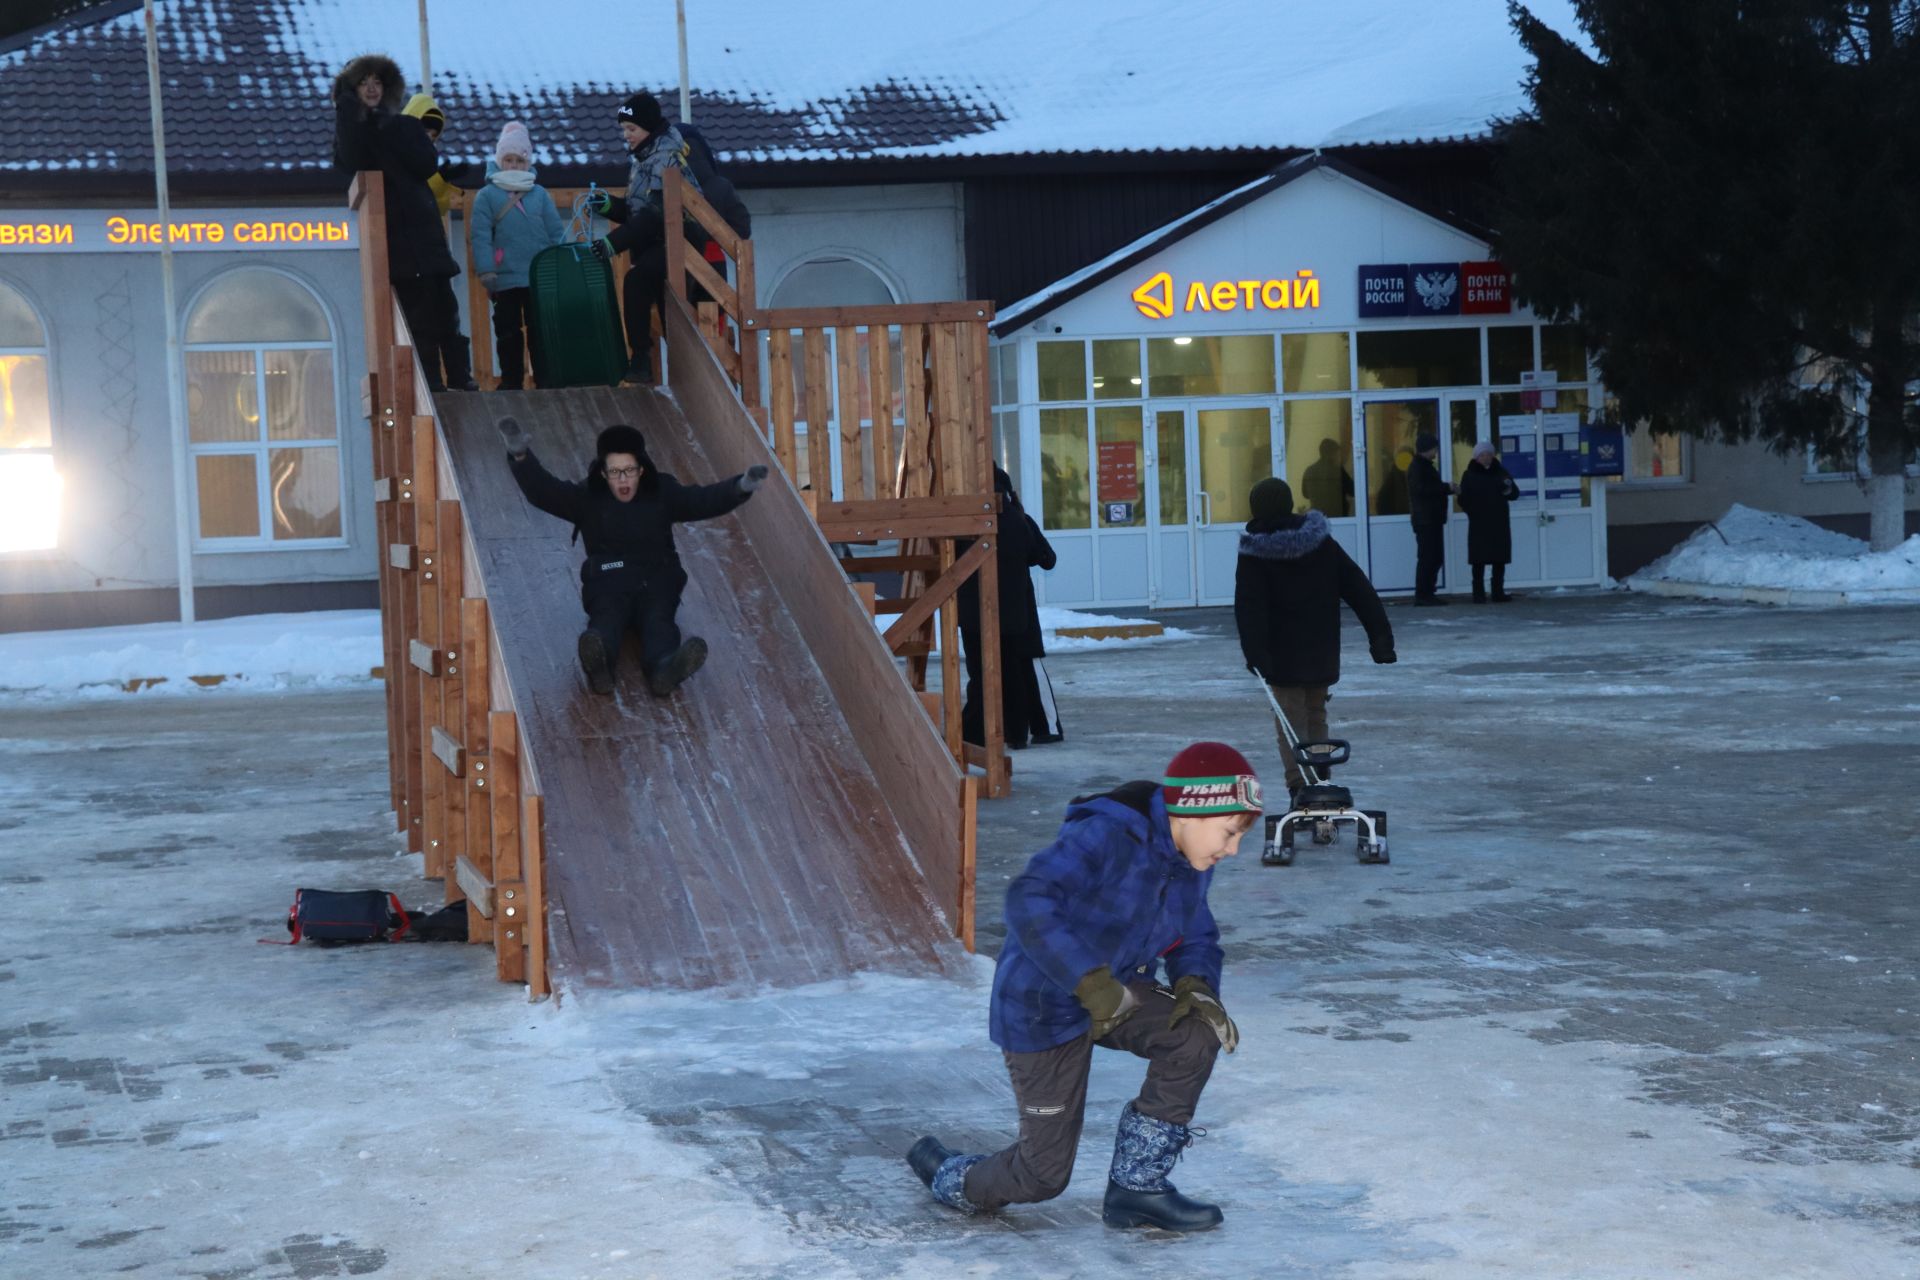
(1635, 997)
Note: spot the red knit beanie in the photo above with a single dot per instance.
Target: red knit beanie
(1209, 778)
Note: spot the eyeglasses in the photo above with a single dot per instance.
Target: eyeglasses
(622, 473)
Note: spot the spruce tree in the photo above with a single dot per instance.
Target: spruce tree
(1723, 196)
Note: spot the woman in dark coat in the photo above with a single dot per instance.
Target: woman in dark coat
(1485, 491)
(372, 132)
(1028, 706)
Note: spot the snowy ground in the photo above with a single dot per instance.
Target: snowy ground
(1635, 998)
(1779, 559)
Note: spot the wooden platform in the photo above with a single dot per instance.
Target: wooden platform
(732, 834)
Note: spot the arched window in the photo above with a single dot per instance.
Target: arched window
(29, 485)
(263, 427)
(830, 280)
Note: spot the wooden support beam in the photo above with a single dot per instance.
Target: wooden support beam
(425, 700)
(451, 565)
(890, 564)
(424, 657)
(866, 591)
(880, 315)
(448, 751)
(848, 378)
(938, 592)
(474, 883)
(963, 516)
(510, 943)
(969, 843)
(534, 859)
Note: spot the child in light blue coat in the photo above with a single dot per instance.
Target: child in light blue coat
(511, 220)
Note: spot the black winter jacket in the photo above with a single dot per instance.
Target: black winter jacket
(629, 544)
(1287, 590)
(1426, 492)
(1022, 549)
(1485, 493)
(716, 186)
(397, 145)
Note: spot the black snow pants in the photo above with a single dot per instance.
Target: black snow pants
(433, 318)
(612, 607)
(1050, 1088)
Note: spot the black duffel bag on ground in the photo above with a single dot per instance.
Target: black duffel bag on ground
(333, 918)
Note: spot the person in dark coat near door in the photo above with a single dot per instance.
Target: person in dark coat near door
(1026, 695)
(1486, 492)
(372, 132)
(1427, 496)
(624, 511)
(1287, 589)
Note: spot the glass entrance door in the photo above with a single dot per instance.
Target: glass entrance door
(1169, 504)
(1388, 429)
(1231, 449)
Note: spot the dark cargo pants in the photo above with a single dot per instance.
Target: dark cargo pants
(611, 609)
(1050, 1088)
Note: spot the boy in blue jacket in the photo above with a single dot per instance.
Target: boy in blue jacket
(512, 219)
(1122, 887)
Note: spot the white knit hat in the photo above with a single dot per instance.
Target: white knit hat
(514, 141)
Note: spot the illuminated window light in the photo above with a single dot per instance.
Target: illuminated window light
(1183, 342)
(29, 502)
(1134, 381)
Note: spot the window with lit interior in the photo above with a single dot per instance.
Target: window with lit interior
(29, 482)
(262, 423)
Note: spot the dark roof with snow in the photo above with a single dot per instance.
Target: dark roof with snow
(991, 86)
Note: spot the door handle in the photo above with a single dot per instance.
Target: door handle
(1206, 505)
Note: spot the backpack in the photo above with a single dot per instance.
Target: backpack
(333, 918)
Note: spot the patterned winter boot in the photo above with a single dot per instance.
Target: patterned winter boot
(944, 1173)
(1138, 1193)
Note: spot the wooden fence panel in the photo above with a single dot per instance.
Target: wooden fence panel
(819, 416)
(846, 350)
(780, 396)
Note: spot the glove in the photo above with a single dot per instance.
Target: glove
(753, 477)
(1192, 995)
(514, 436)
(1106, 998)
(488, 279)
(1384, 655)
(599, 202)
(603, 249)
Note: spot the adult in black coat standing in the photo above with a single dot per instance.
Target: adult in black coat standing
(372, 132)
(1486, 490)
(1026, 696)
(624, 511)
(1287, 589)
(1427, 496)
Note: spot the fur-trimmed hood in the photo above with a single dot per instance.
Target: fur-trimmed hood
(393, 85)
(1296, 539)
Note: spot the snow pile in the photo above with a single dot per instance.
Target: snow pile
(1781, 559)
(1054, 621)
(268, 651)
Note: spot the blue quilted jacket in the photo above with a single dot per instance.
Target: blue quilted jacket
(1111, 889)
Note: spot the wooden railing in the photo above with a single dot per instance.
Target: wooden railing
(898, 397)
(465, 794)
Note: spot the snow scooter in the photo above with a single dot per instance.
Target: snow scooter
(1320, 806)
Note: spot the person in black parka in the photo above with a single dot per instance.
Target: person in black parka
(1287, 589)
(372, 132)
(1029, 715)
(624, 511)
(1427, 496)
(1486, 490)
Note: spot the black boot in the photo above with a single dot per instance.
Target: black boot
(944, 1172)
(1480, 584)
(639, 371)
(1138, 1193)
(593, 661)
(674, 669)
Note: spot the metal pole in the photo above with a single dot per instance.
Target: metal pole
(686, 95)
(426, 61)
(176, 396)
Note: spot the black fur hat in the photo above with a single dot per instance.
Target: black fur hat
(393, 85)
(621, 438)
(642, 109)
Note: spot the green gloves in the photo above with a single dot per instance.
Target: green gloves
(600, 202)
(1106, 998)
(1192, 995)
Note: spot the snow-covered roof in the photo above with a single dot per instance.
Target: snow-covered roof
(775, 81)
